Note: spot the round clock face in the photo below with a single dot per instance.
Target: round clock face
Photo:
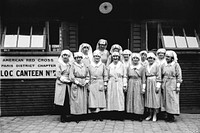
(105, 7)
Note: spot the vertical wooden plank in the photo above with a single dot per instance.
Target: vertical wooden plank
(73, 37)
(0, 32)
(143, 36)
(70, 36)
(65, 35)
(47, 33)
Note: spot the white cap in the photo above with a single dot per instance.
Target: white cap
(97, 53)
(172, 54)
(161, 50)
(115, 53)
(78, 54)
(127, 51)
(151, 54)
(135, 55)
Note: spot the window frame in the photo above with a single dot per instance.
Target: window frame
(175, 42)
(23, 48)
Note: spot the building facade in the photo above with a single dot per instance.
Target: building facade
(34, 32)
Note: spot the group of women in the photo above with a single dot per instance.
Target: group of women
(118, 81)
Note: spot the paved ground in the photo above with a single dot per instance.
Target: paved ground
(186, 123)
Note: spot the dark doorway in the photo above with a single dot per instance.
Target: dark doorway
(113, 31)
(152, 36)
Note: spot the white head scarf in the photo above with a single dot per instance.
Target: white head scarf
(96, 53)
(102, 41)
(78, 54)
(89, 51)
(136, 55)
(161, 50)
(71, 58)
(127, 51)
(151, 54)
(116, 46)
(139, 62)
(143, 52)
(115, 53)
(172, 54)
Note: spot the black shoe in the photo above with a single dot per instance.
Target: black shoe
(140, 119)
(62, 119)
(100, 119)
(170, 118)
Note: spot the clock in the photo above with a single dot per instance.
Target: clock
(105, 7)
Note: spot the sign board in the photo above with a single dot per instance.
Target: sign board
(28, 67)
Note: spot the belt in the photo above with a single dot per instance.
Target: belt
(132, 77)
(96, 78)
(169, 77)
(80, 77)
(151, 76)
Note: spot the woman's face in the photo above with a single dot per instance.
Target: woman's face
(169, 59)
(101, 46)
(151, 60)
(161, 56)
(135, 60)
(78, 59)
(126, 57)
(96, 58)
(65, 57)
(85, 50)
(115, 58)
(143, 57)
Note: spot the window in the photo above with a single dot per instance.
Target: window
(55, 35)
(180, 37)
(24, 36)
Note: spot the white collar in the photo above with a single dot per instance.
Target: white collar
(96, 65)
(79, 65)
(116, 65)
(135, 66)
(170, 64)
(150, 67)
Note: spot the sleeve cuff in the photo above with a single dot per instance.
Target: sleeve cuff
(87, 81)
(143, 86)
(76, 82)
(178, 85)
(158, 84)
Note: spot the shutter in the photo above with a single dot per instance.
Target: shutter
(27, 96)
(70, 36)
(190, 88)
(138, 37)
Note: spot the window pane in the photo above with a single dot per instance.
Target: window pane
(180, 42)
(192, 42)
(169, 41)
(37, 41)
(10, 41)
(24, 41)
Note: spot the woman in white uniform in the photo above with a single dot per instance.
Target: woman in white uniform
(62, 86)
